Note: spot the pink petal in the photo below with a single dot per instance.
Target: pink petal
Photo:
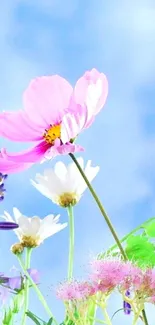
(46, 100)
(16, 126)
(9, 167)
(82, 87)
(32, 155)
(73, 122)
(63, 149)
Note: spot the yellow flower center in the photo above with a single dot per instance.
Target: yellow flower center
(53, 133)
(29, 241)
(67, 199)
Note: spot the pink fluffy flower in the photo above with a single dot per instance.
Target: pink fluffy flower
(75, 290)
(133, 277)
(148, 285)
(107, 273)
(54, 114)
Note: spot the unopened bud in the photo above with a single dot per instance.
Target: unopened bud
(17, 248)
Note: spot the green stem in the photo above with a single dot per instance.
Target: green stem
(96, 320)
(35, 287)
(107, 318)
(100, 207)
(71, 242)
(144, 317)
(26, 289)
(103, 212)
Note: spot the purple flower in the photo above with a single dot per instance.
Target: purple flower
(34, 274)
(4, 294)
(8, 225)
(14, 283)
(2, 178)
(2, 189)
(126, 305)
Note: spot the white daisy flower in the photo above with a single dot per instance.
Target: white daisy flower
(32, 231)
(64, 185)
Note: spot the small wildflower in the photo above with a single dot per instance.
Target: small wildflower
(75, 290)
(126, 305)
(2, 189)
(64, 185)
(32, 231)
(4, 294)
(34, 274)
(133, 277)
(108, 273)
(2, 178)
(2, 192)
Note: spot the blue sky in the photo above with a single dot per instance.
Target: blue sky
(68, 37)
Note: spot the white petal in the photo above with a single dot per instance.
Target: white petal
(60, 170)
(17, 214)
(42, 189)
(35, 225)
(7, 217)
(25, 226)
(49, 226)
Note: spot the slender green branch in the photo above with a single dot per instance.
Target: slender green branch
(71, 242)
(40, 296)
(100, 207)
(144, 317)
(26, 289)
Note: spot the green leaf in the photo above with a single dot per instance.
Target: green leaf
(140, 250)
(15, 306)
(122, 240)
(37, 319)
(50, 321)
(150, 229)
(33, 317)
(7, 318)
(17, 302)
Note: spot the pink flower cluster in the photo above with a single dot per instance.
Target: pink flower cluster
(75, 290)
(107, 275)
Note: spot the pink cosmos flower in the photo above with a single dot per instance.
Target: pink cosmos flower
(54, 114)
(8, 166)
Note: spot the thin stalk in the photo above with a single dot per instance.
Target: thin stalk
(107, 318)
(71, 242)
(144, 317)
(103, 212)
(35, 287)
(113, 232)
(26, 289)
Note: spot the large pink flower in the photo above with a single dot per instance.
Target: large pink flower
(54, 114)
(8, 166)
